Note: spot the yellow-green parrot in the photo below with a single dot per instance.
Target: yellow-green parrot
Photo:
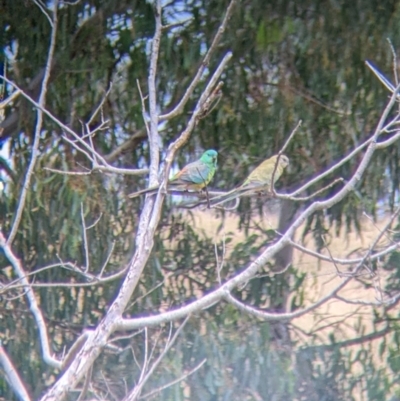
(258, 181)
(194, 176)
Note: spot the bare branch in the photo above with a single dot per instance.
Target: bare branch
(108, 169)
(44, 11)
(153, 133)
(316, 193)
(358, 302)
(220, 264)
(107, 259)
(86, 385)
(185, 134)
(128, 144)
(183, 377)
(91, 279)
(135, 393)
(33, 304)
(143, 107)
(72, 173)
(179, 107)
(38, 129)
(10, 98)
(340, 261)
(85, 242)
(145, 358)
(343, 160)
(105, 167)
(331, 257)
(12, 376)
(252, 269)
(281, 153)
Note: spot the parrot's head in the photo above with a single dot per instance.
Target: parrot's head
(210, 157)
(284, 161)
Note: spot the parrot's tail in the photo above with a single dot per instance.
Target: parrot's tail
(233, 194)
(237, 193)
(150, 191)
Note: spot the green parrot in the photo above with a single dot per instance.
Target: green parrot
(259, 180)
(194, 176)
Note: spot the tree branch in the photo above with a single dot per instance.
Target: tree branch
(153, 134)
(33, 304)
(179, 379)
(135, 393)
(39, 124)
(105, 167)
(179, 107)
(12, 376)
(268, 254)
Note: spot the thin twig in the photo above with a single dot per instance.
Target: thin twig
(331, 257)
(143, 107)
(339, 261)
(44, 11)
(125, 146)
(314, 194)
(10, 98)
(92, 280)
(85, 242)
(394, 55)
(135, 394)
(105, 167)
(183, 377)
(373, 223)
(107, 259)
(220, 265)
(94, 224)
(211, 103)
(99, 108)
(176, 24)
(280, 153)
(72, 173)
(350, 156)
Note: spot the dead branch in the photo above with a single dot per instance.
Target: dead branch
(33, 304)
(179, 107)
(12, 376)
(38, 129)
(135, 393)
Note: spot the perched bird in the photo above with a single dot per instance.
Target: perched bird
(194, 176)
(258, 181)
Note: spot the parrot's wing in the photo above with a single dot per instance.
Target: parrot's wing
(260, 177)
(193, 173)
(254, 183)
